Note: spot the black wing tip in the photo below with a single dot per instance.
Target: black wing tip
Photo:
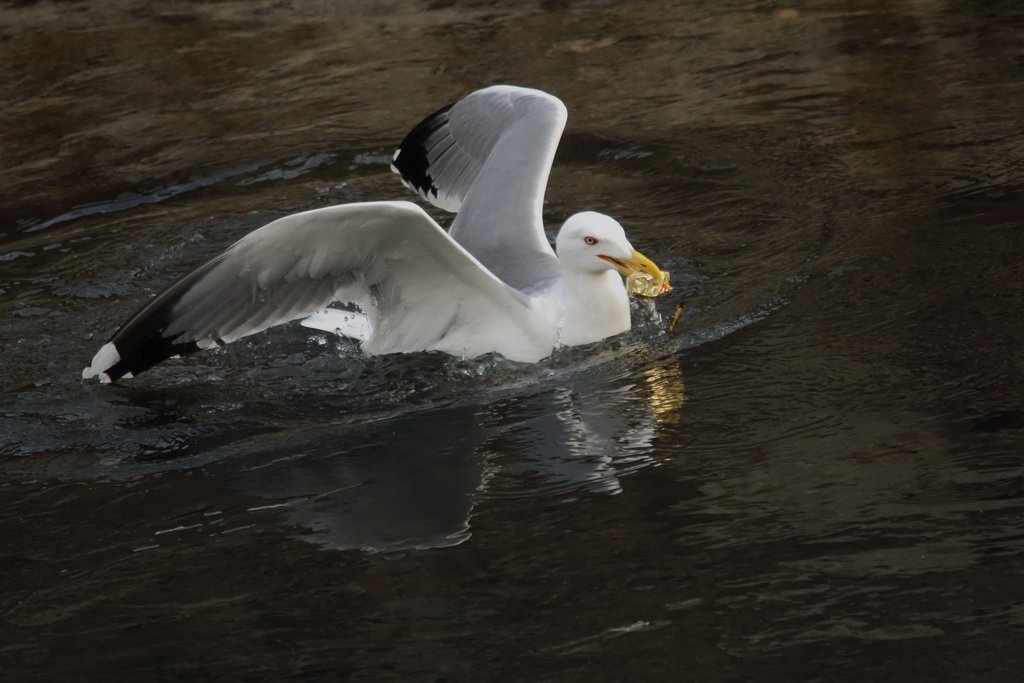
(410, 159)
(116, 359)
(141, 342)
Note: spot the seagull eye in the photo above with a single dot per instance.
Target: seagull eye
(590, 240)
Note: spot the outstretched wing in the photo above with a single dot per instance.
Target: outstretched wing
(487, 157)
(420, 290)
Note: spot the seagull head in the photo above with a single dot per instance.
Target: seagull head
(593, 243)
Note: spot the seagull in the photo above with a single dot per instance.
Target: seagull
(387, 274)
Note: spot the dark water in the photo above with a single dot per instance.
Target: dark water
(818, 476)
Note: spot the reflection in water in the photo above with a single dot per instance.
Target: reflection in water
(400, 484)
(412, 482)
(665, 383)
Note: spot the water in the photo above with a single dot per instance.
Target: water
(817, 476)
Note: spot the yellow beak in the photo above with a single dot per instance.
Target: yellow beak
(638, 262)
(643, 277)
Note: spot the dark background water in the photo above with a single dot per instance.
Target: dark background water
(816, 477)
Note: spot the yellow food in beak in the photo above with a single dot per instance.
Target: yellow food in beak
(643, 278)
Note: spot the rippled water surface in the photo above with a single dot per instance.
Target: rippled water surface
(816, 476)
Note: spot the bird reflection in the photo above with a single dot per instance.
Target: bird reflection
(412, 482)
(404, 483)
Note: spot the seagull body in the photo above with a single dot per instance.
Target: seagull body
(491, 284)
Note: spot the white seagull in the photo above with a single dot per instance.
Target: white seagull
(491, 284)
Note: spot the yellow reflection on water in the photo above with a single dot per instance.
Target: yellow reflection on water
(666, 392)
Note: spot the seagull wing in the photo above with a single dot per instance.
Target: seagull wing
(487, 157)
(418, 287)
